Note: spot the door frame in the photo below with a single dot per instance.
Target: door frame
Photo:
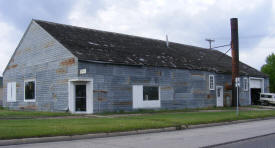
(249, 86)
(89, 95)
(221, 96)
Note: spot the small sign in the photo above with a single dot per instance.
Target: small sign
(237, 82)
(83, 71)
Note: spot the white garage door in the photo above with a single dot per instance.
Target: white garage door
(256, 83)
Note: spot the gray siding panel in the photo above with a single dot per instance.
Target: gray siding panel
(41, 57)
(179, 88)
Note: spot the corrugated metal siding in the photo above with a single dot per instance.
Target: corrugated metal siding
(179, 88)
(41, 57)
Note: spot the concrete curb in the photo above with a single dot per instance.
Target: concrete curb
(103, 135)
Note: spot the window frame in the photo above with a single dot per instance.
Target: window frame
(30, 100)
(245, 83)
(11, 99)
(210, 82)
(139, 103)
(158, 88)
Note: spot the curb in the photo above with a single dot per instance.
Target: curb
(114, 134)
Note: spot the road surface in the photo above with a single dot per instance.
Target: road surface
(199, 137)
(258, 142)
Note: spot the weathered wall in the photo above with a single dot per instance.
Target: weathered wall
(1, 96)
(1, 91)
(244, 94)
(179, 88)
(41, 57)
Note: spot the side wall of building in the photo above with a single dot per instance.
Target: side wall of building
(40, 57)
(1, 91)
(179, 88)
(1, 96)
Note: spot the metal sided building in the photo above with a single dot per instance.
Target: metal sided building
(60, 67)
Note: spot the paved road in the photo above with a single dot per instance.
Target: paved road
(178, 139)
(258, 142)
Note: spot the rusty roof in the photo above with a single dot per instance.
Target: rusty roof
(115, 48)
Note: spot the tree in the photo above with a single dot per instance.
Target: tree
(269, 69)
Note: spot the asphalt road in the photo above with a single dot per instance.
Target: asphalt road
(198, 137)
(267, 141)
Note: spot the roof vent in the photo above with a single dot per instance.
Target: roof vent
(167, 41)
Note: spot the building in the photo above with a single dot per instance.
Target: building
(60, 67)
(1, 91)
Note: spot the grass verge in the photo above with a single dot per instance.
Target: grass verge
(6, 114)
(10, 129)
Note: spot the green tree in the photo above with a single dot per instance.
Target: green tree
(269, 69)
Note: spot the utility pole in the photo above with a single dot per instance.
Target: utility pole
(210, 42)
(235, 58)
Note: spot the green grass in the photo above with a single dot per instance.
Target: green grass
(23, 128)
(5, 113)
(152, 111)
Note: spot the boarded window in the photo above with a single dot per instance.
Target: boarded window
(245, 84)
(30, 90)
(150, 93)
(211, 82)
(11, 92)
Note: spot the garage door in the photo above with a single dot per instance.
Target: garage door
(255, 83)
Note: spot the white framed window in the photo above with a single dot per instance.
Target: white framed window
(211, 82)
(245, 84)
(146, 96)
(150, 93)
(29, 90)
(11, 92)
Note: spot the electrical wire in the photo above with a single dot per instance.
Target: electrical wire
(224, 54)
(221, 46)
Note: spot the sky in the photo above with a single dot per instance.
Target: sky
(184, 21)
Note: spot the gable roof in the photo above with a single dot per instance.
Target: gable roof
(114, 48)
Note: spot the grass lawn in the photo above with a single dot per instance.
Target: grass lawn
(10, 129)
(4, 113)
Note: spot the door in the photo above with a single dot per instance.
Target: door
(255, 96)
(80, 98)
(219, 94)
(256, 86)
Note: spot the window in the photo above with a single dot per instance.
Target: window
(211, 82)
(30, 90)
(146, 97)
(219, 92)
(80, 97)
(150, 93)
(11, 92)
(266, 96)
(245, 84)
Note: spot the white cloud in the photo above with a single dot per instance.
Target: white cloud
(186, 21)
(9, 38)
(140, 17)
(257, 55)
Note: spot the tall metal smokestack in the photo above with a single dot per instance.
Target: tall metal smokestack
(235, 57)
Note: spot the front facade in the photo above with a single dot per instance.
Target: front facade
(48, 74)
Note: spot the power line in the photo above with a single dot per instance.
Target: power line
(247, 36)
(221, 46)
(224, 54)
